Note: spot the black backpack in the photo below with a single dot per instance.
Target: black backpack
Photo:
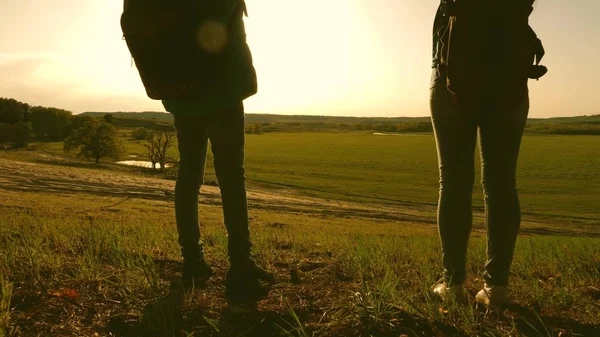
(490, 52)
(180, 47)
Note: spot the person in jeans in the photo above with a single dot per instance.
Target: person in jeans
(218, 116)
(456, 131)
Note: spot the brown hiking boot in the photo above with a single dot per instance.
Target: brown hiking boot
(243, 282)
(197, 270)
(195, 267)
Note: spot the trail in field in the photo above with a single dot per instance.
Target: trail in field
(66, 180)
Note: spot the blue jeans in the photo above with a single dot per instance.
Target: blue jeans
(500, 134)
(226, 131)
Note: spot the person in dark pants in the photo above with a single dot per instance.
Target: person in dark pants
(218, 116)
(456, 131)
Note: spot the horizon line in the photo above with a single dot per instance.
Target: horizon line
(309, 115)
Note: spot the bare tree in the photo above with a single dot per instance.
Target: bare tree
(157, 145)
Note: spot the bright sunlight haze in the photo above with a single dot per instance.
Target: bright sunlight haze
(334, 57)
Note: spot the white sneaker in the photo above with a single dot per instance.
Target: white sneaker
(494, 295)
(444, 293)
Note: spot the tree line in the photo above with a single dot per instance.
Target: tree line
(564, 129)
(89, 137)
(15, 126)
(97, 138)
(20, 121)
(322, 126)
(411, 127)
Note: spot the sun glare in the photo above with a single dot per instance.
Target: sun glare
(309, 54)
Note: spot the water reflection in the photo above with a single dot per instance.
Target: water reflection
(140, 163)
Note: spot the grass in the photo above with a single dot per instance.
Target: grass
(558, 176)
(85, 261)
(6, 289)
(78, 268)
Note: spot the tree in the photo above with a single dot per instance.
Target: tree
(22, 134)
(108, 118)
(12, 111)
(18, 134)
(157, 146)
(95, 140)
(50, 122)
(7, 133)
(254, 129)
(77, 121)
(140, 133)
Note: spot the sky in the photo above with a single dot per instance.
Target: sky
(313, 57)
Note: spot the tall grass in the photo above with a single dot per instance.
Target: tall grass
(80, 268)
(6, 326)
(379, 276)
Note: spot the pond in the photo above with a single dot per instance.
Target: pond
(140, 163)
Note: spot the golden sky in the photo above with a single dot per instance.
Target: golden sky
(318, 57)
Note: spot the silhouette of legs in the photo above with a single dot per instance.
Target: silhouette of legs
(500, 137)
(456, 136)
(225, 129)
(227, 136)
(192, 138)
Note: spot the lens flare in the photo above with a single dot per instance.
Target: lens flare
(212, 36)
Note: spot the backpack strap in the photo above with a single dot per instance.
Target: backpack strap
(448, 7)
(538, 47)
(537, 71)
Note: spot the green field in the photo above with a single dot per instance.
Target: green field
(558, 176)
(346, 220)
(86, 264)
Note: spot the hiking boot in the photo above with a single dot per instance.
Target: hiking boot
(243, 282)
(444, 292)
(196, 270)
(492, 295)
(195, 267)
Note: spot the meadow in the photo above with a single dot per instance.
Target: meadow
(558, 176)
(346, 220)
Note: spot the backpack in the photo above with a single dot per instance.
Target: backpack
(490, 53)
(180, 47)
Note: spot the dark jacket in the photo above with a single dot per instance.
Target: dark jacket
(238, 79)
